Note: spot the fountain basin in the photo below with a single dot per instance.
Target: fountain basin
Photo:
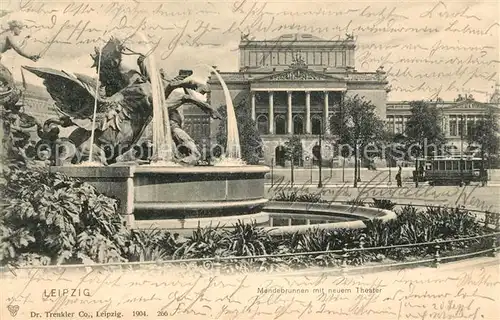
(280, 218)
(161, 192)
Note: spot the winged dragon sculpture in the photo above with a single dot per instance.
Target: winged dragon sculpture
(124, 106)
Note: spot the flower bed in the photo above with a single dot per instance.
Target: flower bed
(52, 219)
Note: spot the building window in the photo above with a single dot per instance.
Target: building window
(331, 121)
(388, 123)
(265, 59)
(281, 58)
(262, 124)
(470, 126)
(298, 124)
(279, 155)
(331, 61)
(260, 59)
(317, 58)
(298, 98)
(280, 98)
(316, 124)
(453, 126)
(247, 58)
(274, 58)
(310, 58)
(338, 59)
(461, 126)
(280, 124)
(405, 120)
(262, 98)
(324, 58)
(399, 125)
(253, 59)
(317, 98)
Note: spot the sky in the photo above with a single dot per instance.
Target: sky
(428, 48)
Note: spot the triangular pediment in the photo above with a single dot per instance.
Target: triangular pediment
(301, 74)
(468, 104)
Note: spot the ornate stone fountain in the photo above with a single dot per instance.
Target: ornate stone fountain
(111, 115)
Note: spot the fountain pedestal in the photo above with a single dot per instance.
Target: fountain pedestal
(150, 192)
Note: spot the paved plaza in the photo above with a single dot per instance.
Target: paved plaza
(376, 184)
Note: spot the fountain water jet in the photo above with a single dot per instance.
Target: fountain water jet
(233, 147)
(90, 162)
(162, 136)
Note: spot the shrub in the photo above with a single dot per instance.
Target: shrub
(355, 203)
(295, 196)
(384, 204)
(59, 218)
(247, 239)
(314, 240)
(291, 196)
(150, 245)
(203, 243)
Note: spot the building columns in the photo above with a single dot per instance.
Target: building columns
(271, 112)
(308, 112)
(289, 112)
(464, 125)
(252, 94)
(326, 117)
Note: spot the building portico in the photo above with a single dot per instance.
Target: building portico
(289, 111)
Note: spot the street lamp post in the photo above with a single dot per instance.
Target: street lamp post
(320, 183)
(390, 165)
(343, 169)
(311, 171)
(462, 164)
(359, 170)
(417, 171)
(272, 172)
(331, 167)
(483, 173)
(209, 157)
(356, 164)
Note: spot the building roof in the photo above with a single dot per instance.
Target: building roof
(445, 105)
(299, 73)
(296, 40)
(306, 74)
(298, 37)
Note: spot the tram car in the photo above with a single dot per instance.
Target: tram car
(450, 170)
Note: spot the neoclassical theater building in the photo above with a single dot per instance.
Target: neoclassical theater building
(294, 84)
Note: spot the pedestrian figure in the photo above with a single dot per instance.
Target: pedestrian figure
(398, 177)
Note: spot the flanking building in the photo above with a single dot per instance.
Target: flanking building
(457, 117)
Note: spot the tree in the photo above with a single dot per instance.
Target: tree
(358, 127)
(293, 150)
(485, 133)
(392, 147)
(250, 140)
(423, 131)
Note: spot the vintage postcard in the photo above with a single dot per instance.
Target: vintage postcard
(248, 159)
